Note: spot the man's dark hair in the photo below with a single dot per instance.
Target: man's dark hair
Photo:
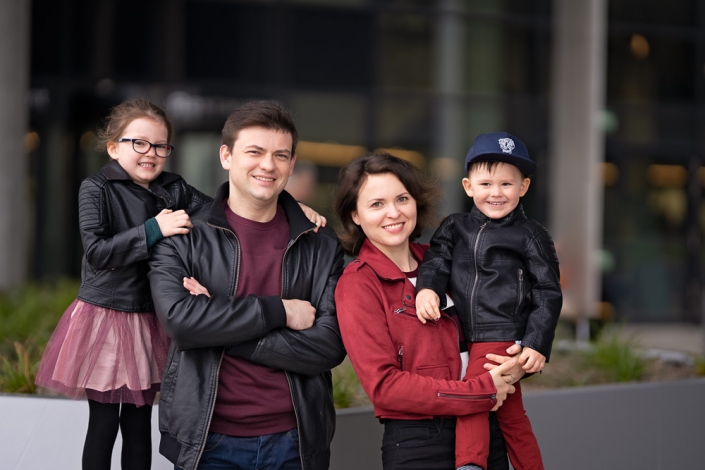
(265, 114)
(426, 193)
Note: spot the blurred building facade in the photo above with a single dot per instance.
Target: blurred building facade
(420, 77)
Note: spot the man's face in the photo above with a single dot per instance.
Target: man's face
(259, 166)
(496, 193)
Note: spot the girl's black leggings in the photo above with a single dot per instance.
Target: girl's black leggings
(135, 424)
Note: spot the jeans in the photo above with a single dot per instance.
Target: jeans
(270, 452)
(429, 444)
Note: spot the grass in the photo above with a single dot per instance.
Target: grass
(617, 358)
(28, 316)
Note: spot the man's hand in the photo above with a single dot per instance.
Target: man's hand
(313, 216)
(300, 314)
(173, 223)
(194, 287)
(428, 305)
(532, 361)
(502, 381)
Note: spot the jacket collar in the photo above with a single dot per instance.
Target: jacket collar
(113, 171)
(382, 265)
(298, 223)
(515, 216)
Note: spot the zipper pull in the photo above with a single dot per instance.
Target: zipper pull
(400, 355)
(399, 310)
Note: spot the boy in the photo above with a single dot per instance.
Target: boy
(501, 270)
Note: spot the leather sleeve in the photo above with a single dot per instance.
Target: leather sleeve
(546, 296)
(434, 271)
(316, 349)
(104, 250)
(196, 321)
(196, 197)
(363, 325)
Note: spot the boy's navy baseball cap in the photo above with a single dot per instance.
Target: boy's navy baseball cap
(500, 147)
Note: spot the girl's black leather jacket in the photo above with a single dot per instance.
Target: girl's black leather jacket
(502, 274)
(203, 328)
(112, 210)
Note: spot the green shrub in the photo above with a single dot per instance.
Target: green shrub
(18, 371)
(28, 316)
(617, 358)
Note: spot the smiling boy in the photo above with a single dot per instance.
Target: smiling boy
(501, 270)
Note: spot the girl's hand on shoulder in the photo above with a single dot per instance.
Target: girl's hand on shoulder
(194, 287)
(173, 222)
(313, 216)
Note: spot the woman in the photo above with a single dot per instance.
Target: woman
(411, 371)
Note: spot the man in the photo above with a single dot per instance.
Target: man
(248, 382)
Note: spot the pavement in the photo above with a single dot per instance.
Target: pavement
(677, 337)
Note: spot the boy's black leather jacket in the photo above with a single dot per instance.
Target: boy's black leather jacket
(203, 329)
(112, 210)
(502, 274)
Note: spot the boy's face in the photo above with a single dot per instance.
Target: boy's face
(496, 193)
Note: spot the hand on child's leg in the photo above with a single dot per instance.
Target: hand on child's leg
(428, 305)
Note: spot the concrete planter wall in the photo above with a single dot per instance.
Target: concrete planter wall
(654, 426)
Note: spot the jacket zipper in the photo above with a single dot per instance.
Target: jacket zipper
(520, 291)
(296, 415)
(465, 397)
(477, 275)
(400, 357)
(210, 415)
(222, 354)
(286, 374)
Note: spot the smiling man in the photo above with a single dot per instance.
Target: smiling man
(248, 381)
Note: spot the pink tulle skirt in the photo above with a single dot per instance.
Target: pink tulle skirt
(108, 355)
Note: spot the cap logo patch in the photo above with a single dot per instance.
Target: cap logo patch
(506, 144)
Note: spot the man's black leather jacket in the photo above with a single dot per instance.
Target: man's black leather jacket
(112, 212)
(502, 275)
(203, 329)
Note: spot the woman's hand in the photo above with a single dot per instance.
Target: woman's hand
(503, 381)
(194, 287)
(313, 216)
(515, 372)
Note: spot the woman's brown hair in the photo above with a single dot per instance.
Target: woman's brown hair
(426, 193)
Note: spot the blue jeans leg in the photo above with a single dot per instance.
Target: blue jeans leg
(278, 451)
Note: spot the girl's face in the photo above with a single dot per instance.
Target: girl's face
(386, 212)
(142, 168)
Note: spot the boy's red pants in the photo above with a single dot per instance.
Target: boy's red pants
(473, 434)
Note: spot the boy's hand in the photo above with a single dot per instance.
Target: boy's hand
(194, 287)
(173, 223)
(428, 305)
(532, 361)
(313, 216)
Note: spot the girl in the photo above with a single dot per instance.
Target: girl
(109, 343)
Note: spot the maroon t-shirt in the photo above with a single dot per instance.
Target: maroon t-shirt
(254, 400)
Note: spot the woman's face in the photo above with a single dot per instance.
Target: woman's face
(386, 212)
